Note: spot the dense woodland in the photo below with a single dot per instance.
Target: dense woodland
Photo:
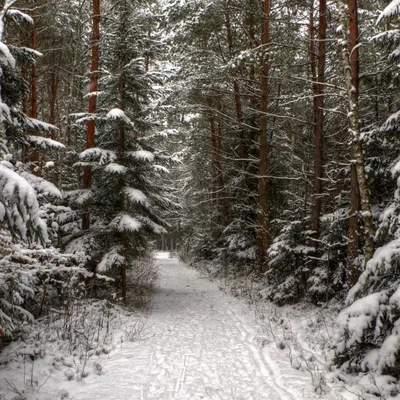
(259, 136)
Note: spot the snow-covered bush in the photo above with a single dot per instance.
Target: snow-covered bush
(286, 275)
(368, 337)
(297, 269)
(67, 344)
(33, 280)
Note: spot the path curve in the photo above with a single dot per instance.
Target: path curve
(201, 345)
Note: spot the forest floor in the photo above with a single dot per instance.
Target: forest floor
(202, 343)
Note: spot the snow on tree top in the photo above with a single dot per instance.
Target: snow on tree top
(142, 155)
(31, 51)
(18, 196)
(17, 14)
(168, 132)
(35, 124)
(116, 168)
(96, 152)
(392, 9)
(113, 258)
(125, 223)
(161, 168)
(6, 58)
(4, 112)
(93, 94)
(44, 143)
(41, 185)
(156, 228)
(135, 195)
(116, 113)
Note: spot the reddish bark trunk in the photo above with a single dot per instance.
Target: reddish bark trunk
(354, 55)
(319, 100)
(214, 173)
(355, 132)
(236, 93)
(34, 113)
(355, 202)
(263, 221)
(122, 161)
(53, 98)
(23, 72)
(35, 157)
(91, 127)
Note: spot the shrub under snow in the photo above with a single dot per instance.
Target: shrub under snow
(368, 337)
(32, 278)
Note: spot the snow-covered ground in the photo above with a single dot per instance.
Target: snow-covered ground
(201, 343)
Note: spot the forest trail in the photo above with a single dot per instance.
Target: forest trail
(200, 343)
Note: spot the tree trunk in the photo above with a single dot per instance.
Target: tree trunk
(35, 157)
(53, 97)
(74, 62)
(123, 283)
(24, 72)
(236, 93)
(355, 135)
(318, 71)
(122, 138)
(263, 221)
(355, 204)
(122, 162)
(91, 127)
(215, 171)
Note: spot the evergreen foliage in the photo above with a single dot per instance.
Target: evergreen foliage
(368, 335)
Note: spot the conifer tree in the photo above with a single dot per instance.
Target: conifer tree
(18, 200)
(126, 195)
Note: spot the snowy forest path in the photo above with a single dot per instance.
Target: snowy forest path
(200, 344)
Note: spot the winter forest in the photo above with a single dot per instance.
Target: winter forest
(244, 153)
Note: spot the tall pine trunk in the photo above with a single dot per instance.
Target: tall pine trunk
(122, 138)
(35, 157)
(318, 71)
(236, 93)
(122, 84)
(76, 54)
(355, 204)
(91, 126)
(263, 221)
(355, 135)
(215, 171)
(53, 97)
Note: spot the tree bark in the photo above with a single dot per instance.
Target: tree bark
(263, 220)
(236, 93)
(318, 71)
(122, 138)
(355, 204)
(355, 135)
(74, 72)
(35, 157)
(53, 97)
(91, 126)
(215, 171)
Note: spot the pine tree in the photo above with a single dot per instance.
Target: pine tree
(18, 200)
(126, 196)
(368, 334)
